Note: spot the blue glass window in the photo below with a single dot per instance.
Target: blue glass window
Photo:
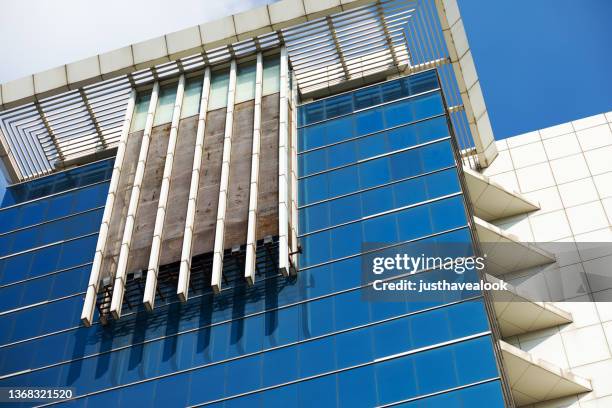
(364, 98)
(56, 183)
(396, 380)
(357, 388)
(404, 225)
(367, 97)
(374, 172)
(370, 121)
(338, 105)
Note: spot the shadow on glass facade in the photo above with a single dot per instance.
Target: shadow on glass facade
(376, 165)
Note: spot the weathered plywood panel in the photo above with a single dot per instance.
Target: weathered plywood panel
(144, 223)
(120, 207)
(178, 196)
(267, 201)
(210, 177)
(236, 216)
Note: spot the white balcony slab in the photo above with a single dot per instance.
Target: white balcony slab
(534, 380)
(491, 201)
(505, 252)
(517, 314)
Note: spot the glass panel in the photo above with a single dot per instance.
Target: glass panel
(271, 75)
(191, 99)
(372, 173)
(219, 84)
(486, 395)
(245, 82)
(313, 112)
(378, 200)
(338, 105)
(396, 380)
(140, 111)
(165, 104)
(400, 226)
(393, 90)
(374, 120)
(56, 183)
(413, 109)
(423, 82)
(367, 97)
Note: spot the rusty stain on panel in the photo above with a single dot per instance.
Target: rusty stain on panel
(267, 207)
(176, 210)
(120, 207)
(236, 216)
(144, 223)
(210, 177)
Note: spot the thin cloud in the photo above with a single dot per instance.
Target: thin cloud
(46, 34)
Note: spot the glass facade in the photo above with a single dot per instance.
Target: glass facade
(375, 166)
(377, 170)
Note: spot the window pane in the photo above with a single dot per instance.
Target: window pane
(245, 82)
(393, 90)
(165, 104)
(487, 395)
(369, 121)
(271, 75)
(412, 109)
(191, 98)
(357, 388)
(312, 112)
(367, 97)
(140, 111)
(422, 83)
(317, 393)
(396, 380)
(218, 90)
(338, 105)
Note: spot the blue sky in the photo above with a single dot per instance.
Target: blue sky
(541, 62)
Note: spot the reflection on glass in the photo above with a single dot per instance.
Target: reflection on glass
(367, 97)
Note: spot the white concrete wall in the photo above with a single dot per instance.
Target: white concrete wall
(567, 169)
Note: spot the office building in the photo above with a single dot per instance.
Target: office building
(189, 219)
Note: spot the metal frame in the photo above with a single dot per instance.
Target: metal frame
(49, 134)
(251, 244)
(94, 276)
(219, 246)
(186, 251)
(284, 262)
(128, 231)
(153, 266)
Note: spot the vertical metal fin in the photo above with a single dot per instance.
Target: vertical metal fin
(94, 276)
(217, 267)
(293, 173)
(120, 274)
(153, 266)
(251, 245)
(185, 269)
(284, 264)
